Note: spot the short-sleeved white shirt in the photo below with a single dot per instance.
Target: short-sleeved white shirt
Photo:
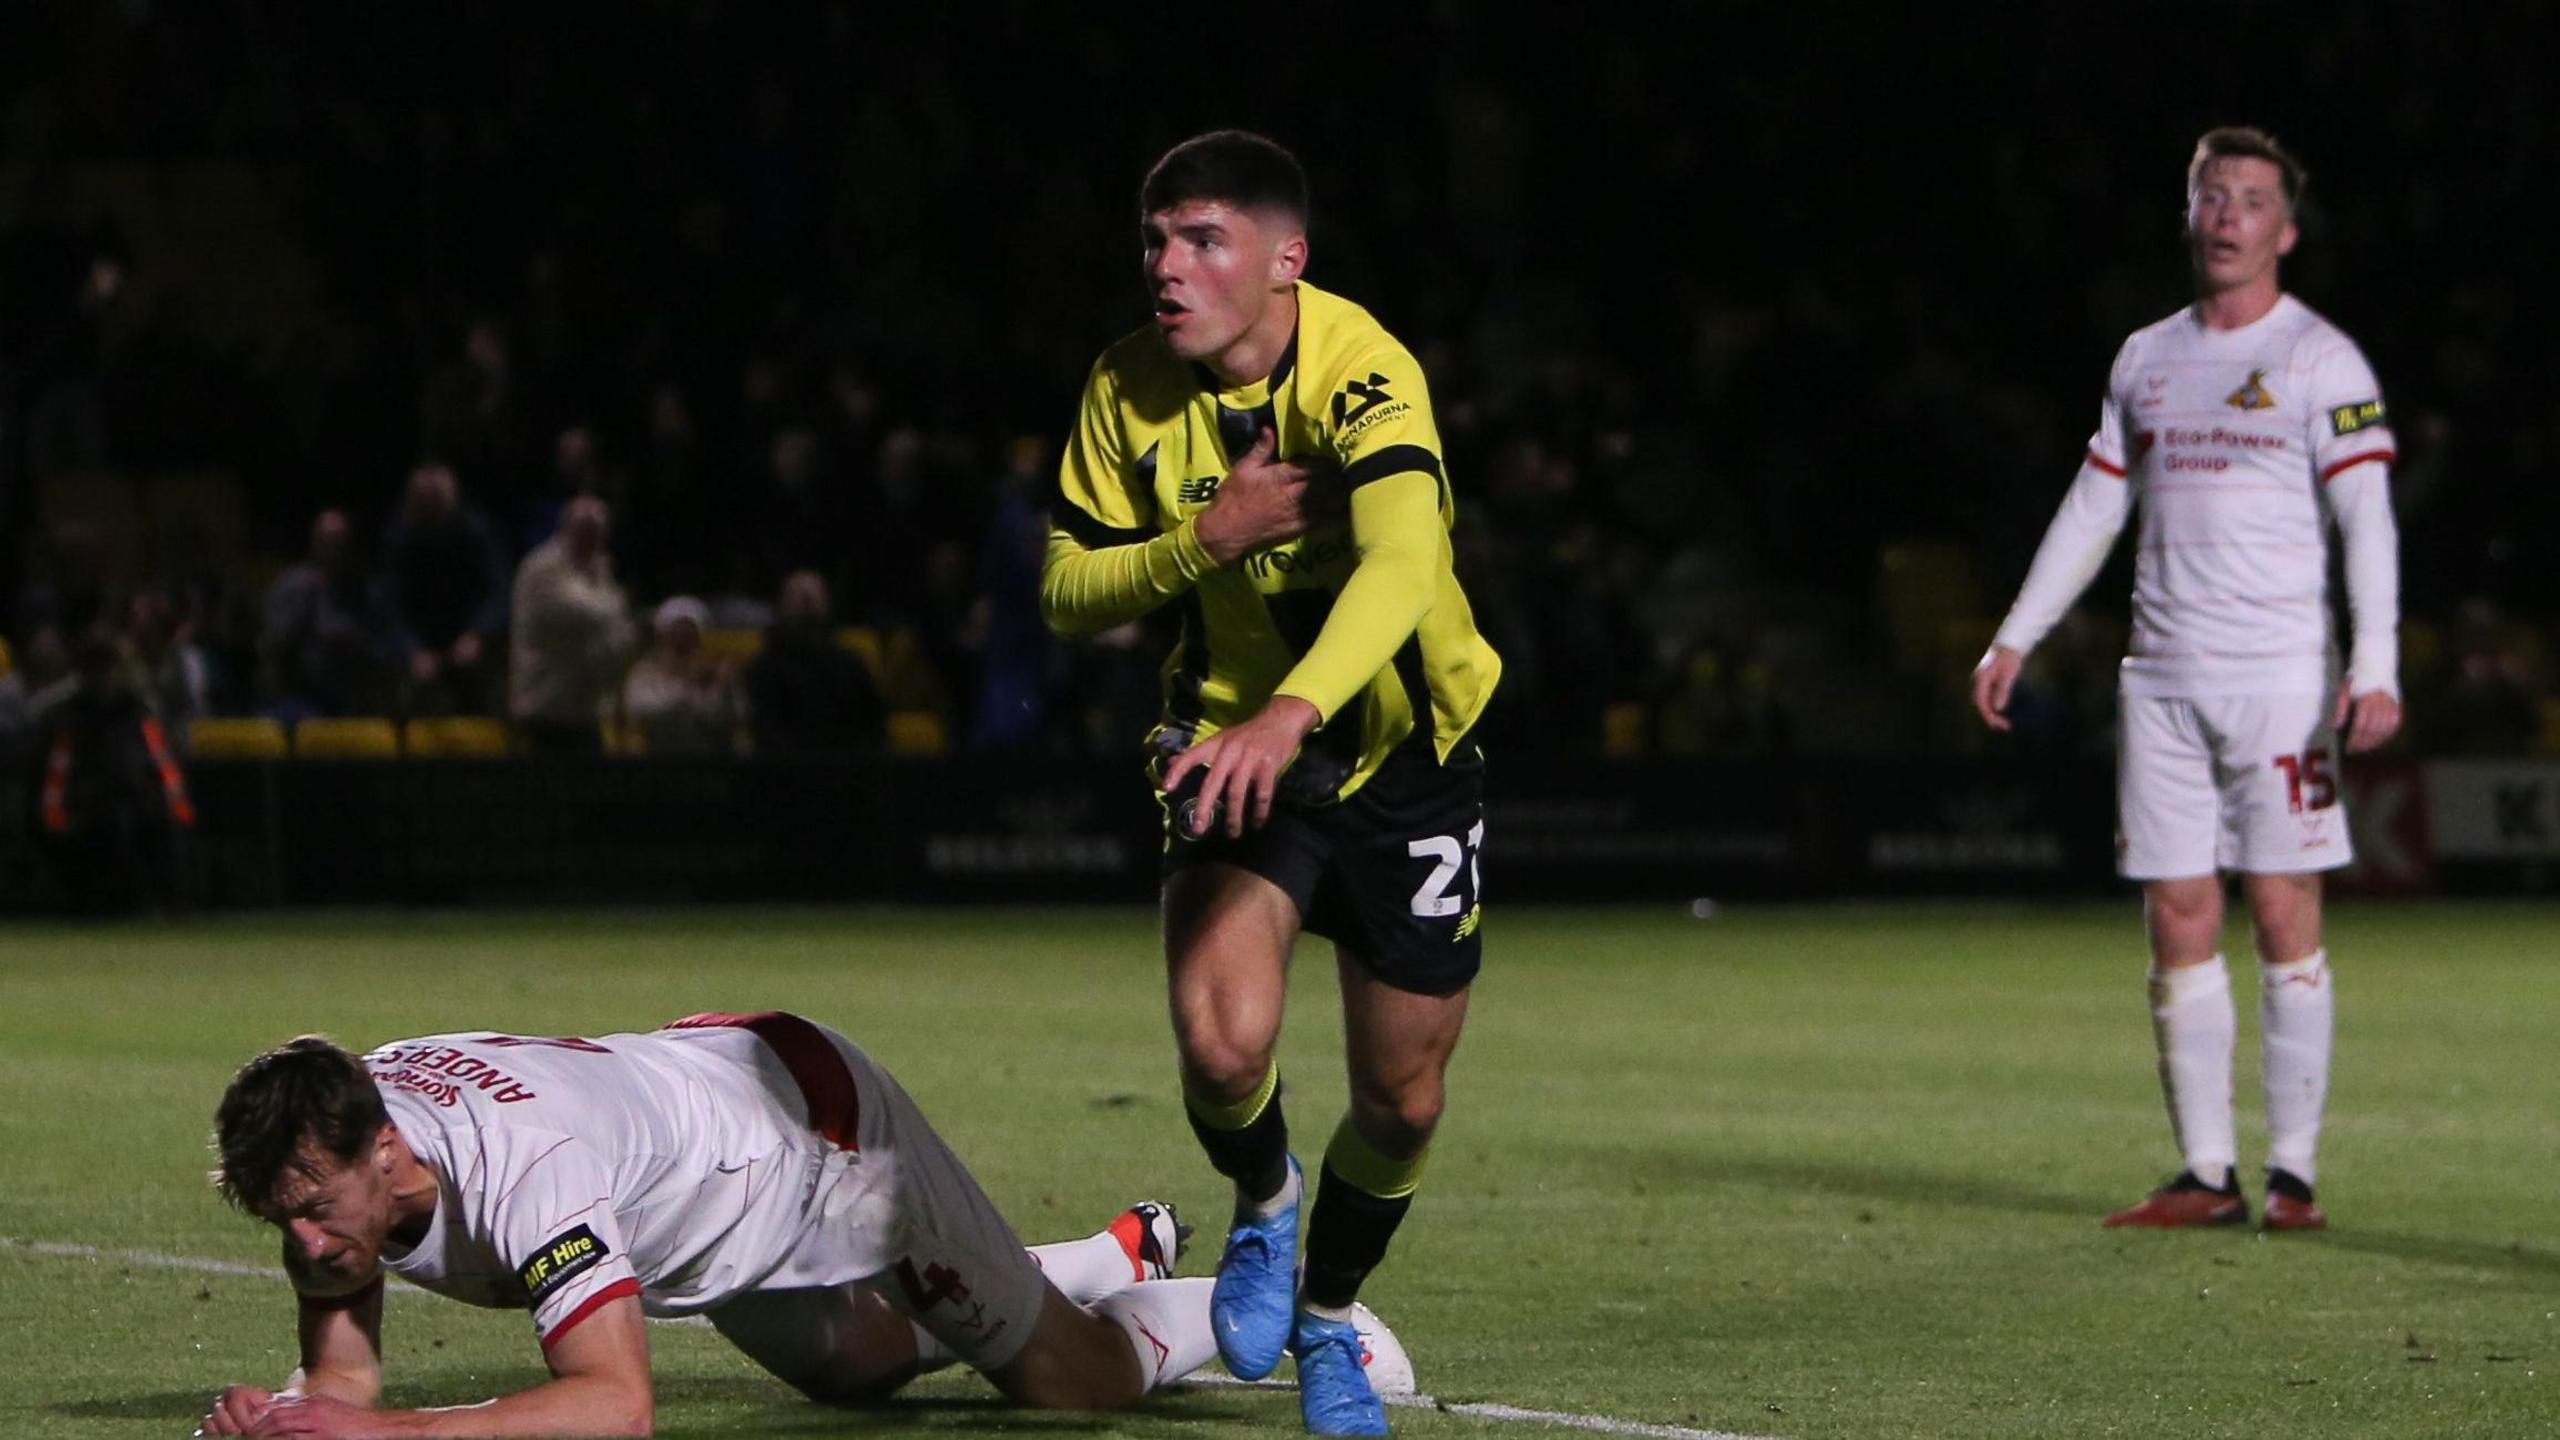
(682, 1166)
(2228, 438)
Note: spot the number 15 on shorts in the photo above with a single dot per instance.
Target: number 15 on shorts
(2307, 782)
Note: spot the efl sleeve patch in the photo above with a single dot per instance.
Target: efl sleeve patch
(566, 1258)
(2348, 419)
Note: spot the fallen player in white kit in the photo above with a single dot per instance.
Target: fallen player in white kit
(759, 1170)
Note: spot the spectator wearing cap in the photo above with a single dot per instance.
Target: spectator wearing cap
(682, 700)
(572, 633)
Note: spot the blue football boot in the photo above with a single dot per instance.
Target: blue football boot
(1334, 1393)
(1256, 1294)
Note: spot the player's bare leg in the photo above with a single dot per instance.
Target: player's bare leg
(2183, 918)
(850, 1346)
(1227, 935)
(2297, 1010)
(840, 1346)
(2196, 1027)
(1396, 1045)
(2284, 916)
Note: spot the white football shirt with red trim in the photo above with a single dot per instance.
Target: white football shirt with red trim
(2228, 438)
(681, 1166)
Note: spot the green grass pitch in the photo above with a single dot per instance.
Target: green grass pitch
(1803, 1172)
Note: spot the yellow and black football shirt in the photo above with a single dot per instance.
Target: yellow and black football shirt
(1364, 619)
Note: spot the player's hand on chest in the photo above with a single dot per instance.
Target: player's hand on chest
(1277, 494)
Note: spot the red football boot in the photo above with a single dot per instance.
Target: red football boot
(2186, 1202)
(2289, 1204)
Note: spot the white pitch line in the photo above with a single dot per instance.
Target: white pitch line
(153, 1259)
(1598, 1424)
(1603, 1424)
(140, 1257)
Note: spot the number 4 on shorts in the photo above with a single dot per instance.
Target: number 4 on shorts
(938, 1283)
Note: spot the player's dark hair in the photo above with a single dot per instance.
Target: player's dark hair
(2253, 143)
(285, 1110)
(1248, 171)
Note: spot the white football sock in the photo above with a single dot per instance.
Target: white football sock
(2297, 1010)
(1285, 1199)
(1167, 1322)
(2196, 1025)
(1086, 1270)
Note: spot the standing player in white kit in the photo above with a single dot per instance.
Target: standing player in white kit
(757, 1169)
(2243, 425)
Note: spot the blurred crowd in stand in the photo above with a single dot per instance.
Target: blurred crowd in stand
(695, 383)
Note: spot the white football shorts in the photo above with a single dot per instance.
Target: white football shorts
(2229, 782)
(952, 1264)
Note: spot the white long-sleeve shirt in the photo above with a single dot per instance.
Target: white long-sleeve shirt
(682, 1166)
(2237, 449)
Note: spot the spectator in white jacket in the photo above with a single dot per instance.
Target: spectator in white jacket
(572, 634)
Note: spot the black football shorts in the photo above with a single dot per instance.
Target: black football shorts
(1394, 874)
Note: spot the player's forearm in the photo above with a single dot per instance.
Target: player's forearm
(569, 1406)
(2361, 498)
(1083, 591)
(339, 1335)
(1396, 524)
(2075, 547)
(356, 1387)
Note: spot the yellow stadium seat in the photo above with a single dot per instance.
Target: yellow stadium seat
(476, 737)
(904, 671)
(2547, 742)
(864, 641)
(732, 644)
(252, 738)
(623, 737)
(917, 732)
(350, 739)
(1622, 729)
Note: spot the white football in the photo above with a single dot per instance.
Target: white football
(1390, 1369)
